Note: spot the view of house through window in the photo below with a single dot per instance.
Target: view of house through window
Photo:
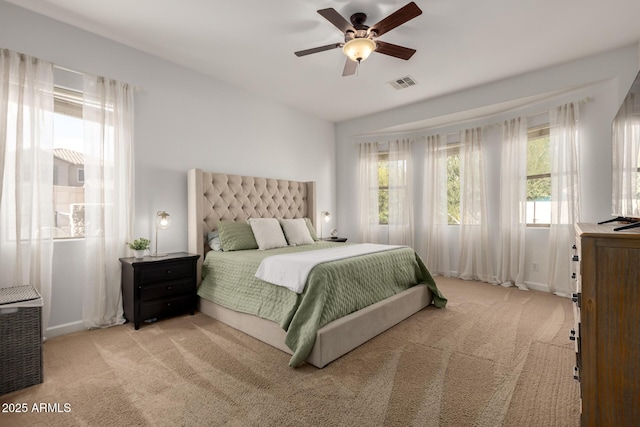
(68, 165)
(538, 177)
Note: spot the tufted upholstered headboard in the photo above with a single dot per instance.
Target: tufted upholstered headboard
(214, 197)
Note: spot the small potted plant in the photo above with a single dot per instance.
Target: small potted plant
(139, 246)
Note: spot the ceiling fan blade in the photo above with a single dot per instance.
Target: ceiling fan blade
(318, 49)
(336, 19)
(350, 68)
(394, 50)
(397, 18)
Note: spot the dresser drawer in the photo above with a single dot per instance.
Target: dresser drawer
(166, 307)
(164, 289)
(166, 272)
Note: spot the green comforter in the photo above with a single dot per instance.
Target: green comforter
(333, 289)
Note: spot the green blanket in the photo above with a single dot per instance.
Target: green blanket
(333, 289)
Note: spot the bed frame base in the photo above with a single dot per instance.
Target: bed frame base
(336, 338)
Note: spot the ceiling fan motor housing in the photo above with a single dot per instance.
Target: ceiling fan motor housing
(358, 20)
(358, 34)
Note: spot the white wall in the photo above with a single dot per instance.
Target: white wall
(604, 79)
(182, 120)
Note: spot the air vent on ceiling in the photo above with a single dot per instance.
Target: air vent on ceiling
(402, 83)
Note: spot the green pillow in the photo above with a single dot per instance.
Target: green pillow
(236, 236)
(312, 230)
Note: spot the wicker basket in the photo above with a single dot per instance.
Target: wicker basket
(20, 338)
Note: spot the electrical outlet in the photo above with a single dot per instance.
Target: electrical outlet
(534, 266)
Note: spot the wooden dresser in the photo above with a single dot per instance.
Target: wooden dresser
(607, 331)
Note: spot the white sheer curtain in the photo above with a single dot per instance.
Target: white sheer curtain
(435, 206)
(400, 193)
(475, 252)
(108, 154)
(565, 194)
(513, 199)
(626, 158)
(369, 215)
(26, 174)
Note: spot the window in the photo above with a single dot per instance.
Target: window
(538, 176)
(453, 184)
(383, 185)
(383, 188)
(68, 170)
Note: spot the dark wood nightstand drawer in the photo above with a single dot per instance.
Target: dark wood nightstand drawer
(165, 272)
(149, 292)
(166, 307)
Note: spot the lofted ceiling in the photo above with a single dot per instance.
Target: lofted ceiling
(250, 44)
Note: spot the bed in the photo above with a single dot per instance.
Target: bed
(215, 198)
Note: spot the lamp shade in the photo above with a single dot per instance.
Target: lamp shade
(163, 220)
(359, 49)
(326, 216)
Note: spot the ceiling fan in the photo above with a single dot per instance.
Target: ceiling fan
(360, 40)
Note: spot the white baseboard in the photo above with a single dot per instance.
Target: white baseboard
(537, 286)
(67, 328)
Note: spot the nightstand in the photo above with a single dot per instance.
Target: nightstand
(154, 287)
(335, 239)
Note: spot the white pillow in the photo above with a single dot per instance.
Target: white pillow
(268, 233)
(296, 232)
(214, 240)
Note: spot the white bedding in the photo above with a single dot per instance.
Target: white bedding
(291, 270)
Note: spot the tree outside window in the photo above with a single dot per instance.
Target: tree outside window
(383, 188)
(453, 185)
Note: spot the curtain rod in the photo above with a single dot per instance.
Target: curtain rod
(474, 119)
(582, 101)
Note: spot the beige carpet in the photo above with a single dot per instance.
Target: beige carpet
(494, 357)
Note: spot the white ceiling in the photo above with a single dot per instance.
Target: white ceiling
(250, 43)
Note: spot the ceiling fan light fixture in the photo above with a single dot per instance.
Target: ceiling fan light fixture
(359, 49)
